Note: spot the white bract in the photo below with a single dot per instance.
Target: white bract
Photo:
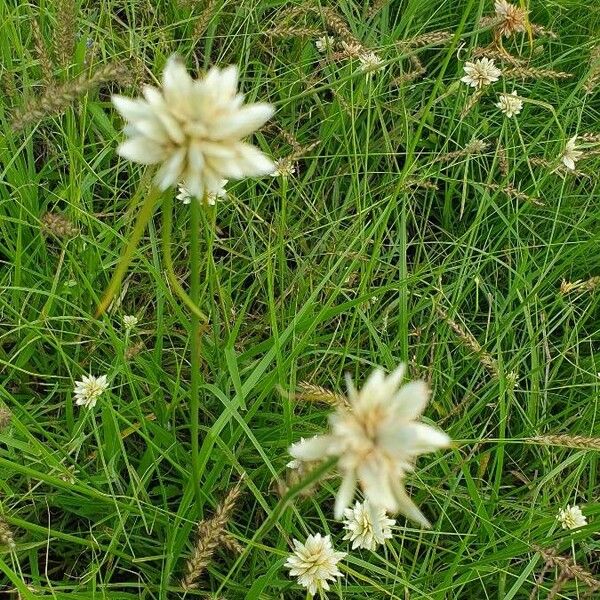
(377, 441)
(481, 72)
(571, 517)
(570, 154)
(210, 197)
(325, 43)
(510, 104)
(314, 563)
(369, 62)
(193, 129)
(89, 389)
(367, 527)
(130, 321)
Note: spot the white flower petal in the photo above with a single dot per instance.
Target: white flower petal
(241, 123)
(141, 150)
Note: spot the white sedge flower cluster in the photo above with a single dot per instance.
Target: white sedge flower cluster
(510, 104)
(314, 563)
(377, 440)
(130, 321)
(480, 73)
(571, 517)
(570, 154)
(89, 389)
(366, 526)
(194, 130)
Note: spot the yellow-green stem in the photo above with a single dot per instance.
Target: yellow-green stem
(143, 216)
(196, 207)
(168, 260)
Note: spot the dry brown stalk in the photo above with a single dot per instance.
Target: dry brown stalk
(502, 155)
(336, 24)
(431, 38)
(498, 53)
(468, 339)
(230, 544)
(5, 417)
(534, 73)
(590, 138)
(310, 392)
(568, 567)
(210, 534)
(375, 7)
(134, 350)
(593, 78)
(41, 53)
(539, 161)
(514, 192)
(589, 285)
(474, 98)
(204, 19)
(541, 30)
(416, 71)
(579, 442)
(291, 31)
(59, 225)
(64, 37)
(474, 147)
(56, 100)
(424, 184)
(6, 534)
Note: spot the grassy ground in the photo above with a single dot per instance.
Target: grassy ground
(390, 243)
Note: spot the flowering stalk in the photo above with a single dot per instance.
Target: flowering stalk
(142, 220)
(168, 260)
(195, 345)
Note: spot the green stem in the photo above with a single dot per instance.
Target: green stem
(143, 217)
(276, 513)
(196, 207)
(168, 260)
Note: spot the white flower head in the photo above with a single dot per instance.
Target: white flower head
(514, 18)
(193, 129)
(210, 197)
(571, 517)
(481, 72)
(510, 104)
(284, 167)
(570, 154)
(367, 527)
(377, 439)
(314, 563)
(370, 62)
(130, 321)
(325, 43)
(89, 389)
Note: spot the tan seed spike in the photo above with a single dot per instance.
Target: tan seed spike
(579, 442)
(64, 38)
(210, 535)
(56, 100)
(309, 392)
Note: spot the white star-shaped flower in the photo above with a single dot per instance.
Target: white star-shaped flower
(89, 389)
(193, 129)
(571, 517)
(377, 440)
(510, 104)
(481, 72)
(367, 527)
(314, 563)
(570, 154)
